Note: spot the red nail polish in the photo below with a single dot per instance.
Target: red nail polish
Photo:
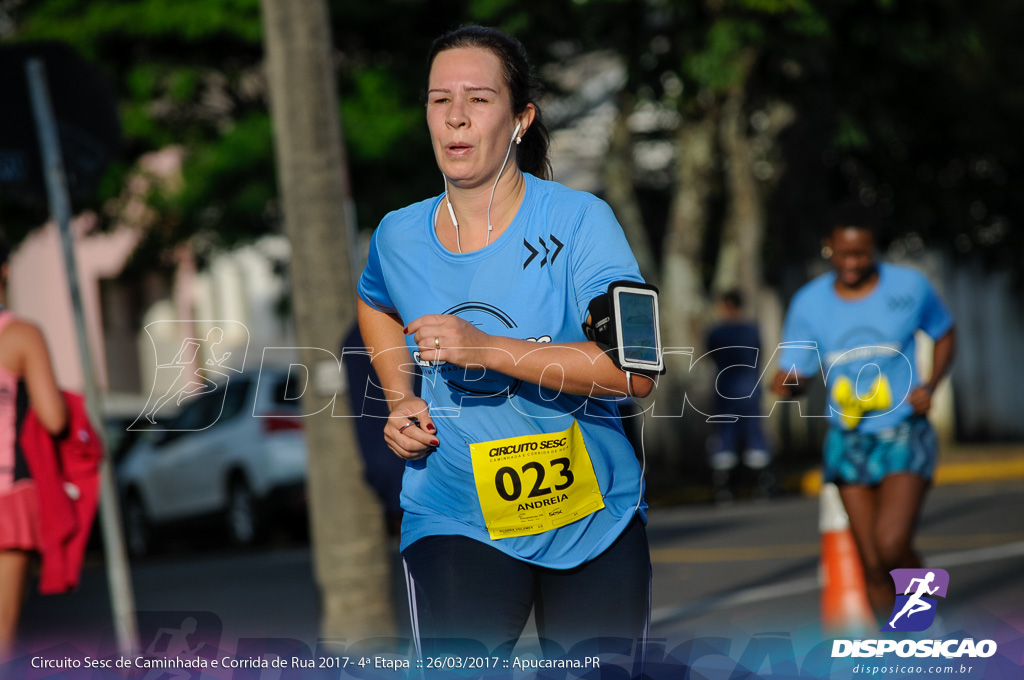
(406, 330)
(434, 442)
(430, 428)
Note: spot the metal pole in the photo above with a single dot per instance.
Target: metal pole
(122, 599)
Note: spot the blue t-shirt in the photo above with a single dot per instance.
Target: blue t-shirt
(863, 348)
(562, 249)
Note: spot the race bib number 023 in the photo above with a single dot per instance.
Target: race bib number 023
(533, 483)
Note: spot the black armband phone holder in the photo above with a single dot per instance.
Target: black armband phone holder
(624, 322)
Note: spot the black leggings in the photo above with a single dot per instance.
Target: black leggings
(462, 591)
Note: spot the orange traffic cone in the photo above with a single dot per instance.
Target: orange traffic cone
(844, 602)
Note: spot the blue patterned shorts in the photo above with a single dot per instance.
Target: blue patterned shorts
(853, 457)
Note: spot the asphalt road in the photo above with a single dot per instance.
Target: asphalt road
(756, 565)
(748, 569)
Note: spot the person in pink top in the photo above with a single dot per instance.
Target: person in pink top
(26, 376)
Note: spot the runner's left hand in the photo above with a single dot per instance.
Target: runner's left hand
(921, 400)
(444, 337)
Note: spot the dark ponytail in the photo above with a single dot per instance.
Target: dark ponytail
(532, 153)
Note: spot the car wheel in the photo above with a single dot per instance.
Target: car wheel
(242, 515)
(138, 530)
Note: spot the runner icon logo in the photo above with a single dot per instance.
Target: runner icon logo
(177, 644)
(193, 358)
(915, 607)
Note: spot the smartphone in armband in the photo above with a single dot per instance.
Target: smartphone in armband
(625, 322)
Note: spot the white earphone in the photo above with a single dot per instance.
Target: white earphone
(451, 211)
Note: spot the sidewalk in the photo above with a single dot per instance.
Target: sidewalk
(958, 464)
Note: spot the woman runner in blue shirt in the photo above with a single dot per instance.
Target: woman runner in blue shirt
(521, 491)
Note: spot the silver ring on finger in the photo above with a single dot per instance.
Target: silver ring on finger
(408, 424)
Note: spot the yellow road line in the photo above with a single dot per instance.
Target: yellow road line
(946, 473)
(966, 541)
(979, 471)
(797, 550)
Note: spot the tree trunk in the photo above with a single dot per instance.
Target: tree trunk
(618, 182)
(682, 275)
(739, 256)
(682, 287)
(349, 544)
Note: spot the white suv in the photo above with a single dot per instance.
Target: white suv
(236, 454)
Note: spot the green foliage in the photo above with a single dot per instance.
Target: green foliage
(718, 66)
(168, 62)
(489, 11)
(183, 84)
(911, 112)
(849, 134)
(808, 24)
(229, 182)
(226, 195)
(142, 80)
(375, 116)
(904, 103)
(87, 25)
(775, 6)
